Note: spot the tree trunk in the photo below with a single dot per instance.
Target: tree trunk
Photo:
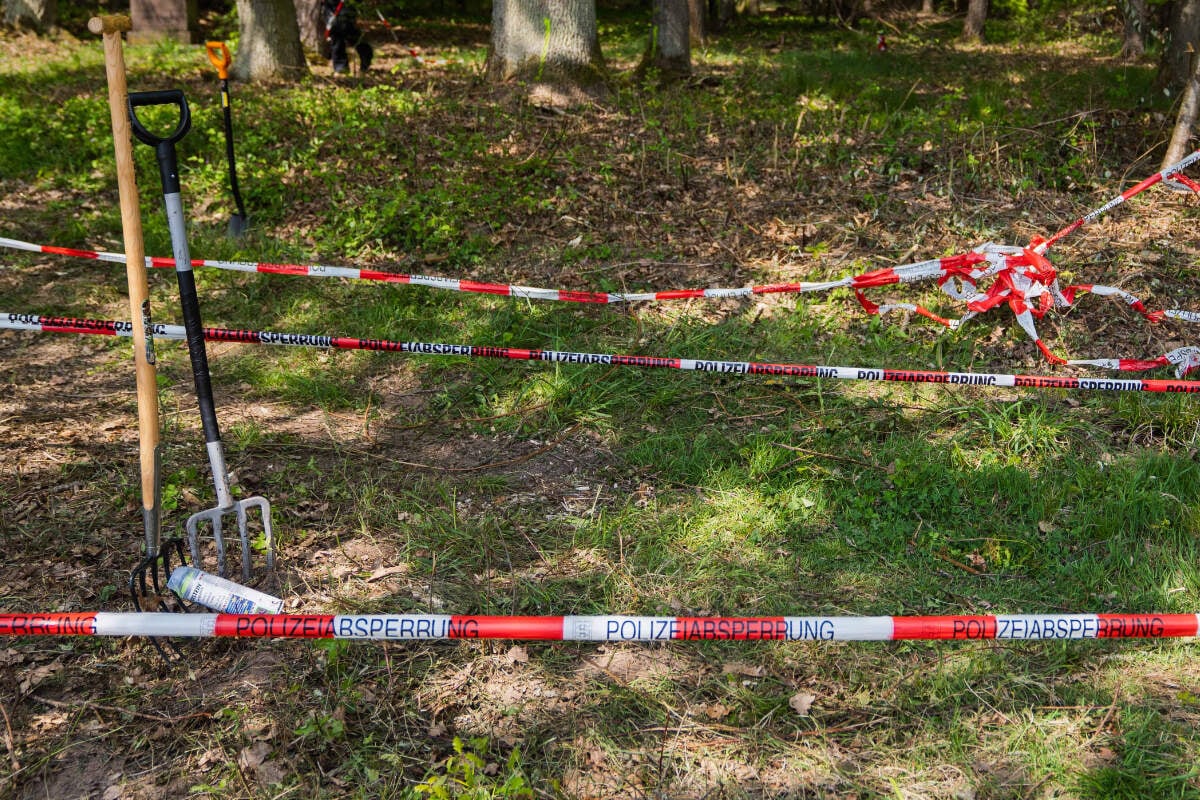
(1184, 33)
(270, 42)
(312, 26)
(976, 17)
(927, 7)
(669, 50)
(553, 44)
(1133, 45)
(697, 29)
(40, 15)
(722, 13)
(1185, 123)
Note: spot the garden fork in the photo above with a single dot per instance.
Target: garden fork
(168, 165)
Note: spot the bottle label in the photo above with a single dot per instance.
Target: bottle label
(220, 594)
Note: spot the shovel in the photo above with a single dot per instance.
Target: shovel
(168, 165)
(218, 54)
(148, 580)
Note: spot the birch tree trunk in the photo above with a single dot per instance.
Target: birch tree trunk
(669, 50)
(552, 44)
(40, 15)
(976, 17)
(269, 47)
(1185, 123)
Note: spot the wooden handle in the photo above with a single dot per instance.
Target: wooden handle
(135, 268)
(110, 23)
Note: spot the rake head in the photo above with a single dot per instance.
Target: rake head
(242, 511)
(148, 588)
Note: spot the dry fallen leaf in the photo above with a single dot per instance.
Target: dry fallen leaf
(801, 702)
(251, 757)
(741, 668)
(385, 572)
(716, 711)
(437, 729)
(517, 655)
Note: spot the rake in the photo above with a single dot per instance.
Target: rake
(241, 510)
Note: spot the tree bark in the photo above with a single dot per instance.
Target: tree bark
(312, 26)
(40, 15)
(1185, 123)
(553, 44)
(976, 17)
(723, 12)
(1184, 33)
(270, 42)
(927, 7)
(1133, 44)
(697, 29)
(669, 50)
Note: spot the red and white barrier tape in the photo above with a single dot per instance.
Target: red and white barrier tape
(1022, 278)
(406, 627)
(1172, 176)
(907, 273)
(34, 322)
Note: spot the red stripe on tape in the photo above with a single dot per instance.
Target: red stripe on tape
(980, 627)
(282, 269)
(296, 626)
(68, 251)
(1145, 626)
(485, 288)
(880, 277)
(536, 628)
(582, 297)
(62, 624)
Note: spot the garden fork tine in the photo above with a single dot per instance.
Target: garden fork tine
(168, 165)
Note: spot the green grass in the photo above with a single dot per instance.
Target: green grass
(528, 488)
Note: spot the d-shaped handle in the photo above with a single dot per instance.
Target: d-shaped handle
(218, 54)
(164, 147)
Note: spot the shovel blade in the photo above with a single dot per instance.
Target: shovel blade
(238, 225)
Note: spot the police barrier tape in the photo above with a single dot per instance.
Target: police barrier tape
(35, 322)
(938, 268)
(602, 628)
(1022, 278)
(1172, 174)
(907, 273)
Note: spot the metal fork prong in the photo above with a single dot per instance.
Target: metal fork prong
(244, 529)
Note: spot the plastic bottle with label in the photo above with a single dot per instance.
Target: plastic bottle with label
(219, 594)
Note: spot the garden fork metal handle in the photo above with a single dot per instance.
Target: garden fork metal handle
(168, 165)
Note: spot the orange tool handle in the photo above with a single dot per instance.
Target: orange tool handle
(218, 54)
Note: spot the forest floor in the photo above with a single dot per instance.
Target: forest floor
(424, 484)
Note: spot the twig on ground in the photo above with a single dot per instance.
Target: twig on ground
(8, 740)
(117, 709)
